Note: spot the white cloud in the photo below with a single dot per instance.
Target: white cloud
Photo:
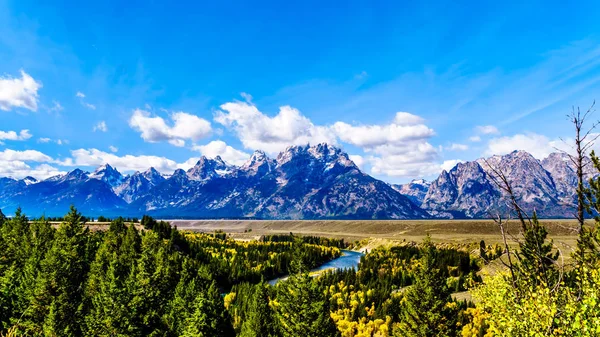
(537, 145)
(475, 139)
(417, 160)
(358, 160)
(247, 97)
(447, 165)
(406, 118)
(81, 97)
(403, 166)
(56, 107)
(12, 135)
(100, 126)
(458, 147)
(19, 92)
(113, 149)
(406, 128)
(155, 129)
(258, 131)
(220, 148)
(19, 170)
(14, 164)
(487, 130)
(27, 155)
(177, 142)
(401, 148)
(88, 105)
(95, 157)
(48, 140)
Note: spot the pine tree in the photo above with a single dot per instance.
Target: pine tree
(260, 320)
(181, 305)
(54, 306)
(107, 292)
(302, 307)
(209, 319)
(15, 247)
(588, 244)
(425, 310)
(536, 256)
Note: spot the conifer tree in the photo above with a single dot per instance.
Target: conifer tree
(209, 318)
(536, 255)
(588, 244)
(302, 308)
(54, 306)
(260, 320)
(10, 269)
(425, 310)
(107, 291)
(181, 305)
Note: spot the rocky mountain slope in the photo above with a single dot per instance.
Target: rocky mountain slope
(303, 182)
(469, 191)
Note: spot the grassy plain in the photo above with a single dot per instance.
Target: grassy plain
(563, 232)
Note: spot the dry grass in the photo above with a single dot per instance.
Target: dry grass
(456, 231)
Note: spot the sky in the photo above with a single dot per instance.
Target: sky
(406, 89)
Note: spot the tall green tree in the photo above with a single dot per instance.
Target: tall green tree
(427, 310)
(302, 307)
(209, 317)
(108, 293)
(181, 306)
(260, 320)
(588, 244)
(54, 308)
(15, 248)
(536, 255)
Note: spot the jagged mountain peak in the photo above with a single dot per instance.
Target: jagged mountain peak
(207, 168)
(259, 162)
(469, 189)
(323, 153)
(105, 167)
(76, 174)
(29, 180)
(416, 190)
(153, 176)
(421, 182)
(108, 174)
(178, 173)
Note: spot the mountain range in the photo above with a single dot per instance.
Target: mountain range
(469, 189)
(302, 182)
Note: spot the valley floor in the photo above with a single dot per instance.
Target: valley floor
(563, 231)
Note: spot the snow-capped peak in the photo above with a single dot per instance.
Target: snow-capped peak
(108, 174)
(207, 168)
(30, 180)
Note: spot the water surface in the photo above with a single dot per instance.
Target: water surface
(349, 259)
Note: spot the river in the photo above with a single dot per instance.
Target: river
(349, 259)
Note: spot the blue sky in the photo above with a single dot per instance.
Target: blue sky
(406, 89)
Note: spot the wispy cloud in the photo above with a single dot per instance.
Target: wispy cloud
(100, 126)
(81, 97)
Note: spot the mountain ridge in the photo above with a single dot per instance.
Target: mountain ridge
(301, 182)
